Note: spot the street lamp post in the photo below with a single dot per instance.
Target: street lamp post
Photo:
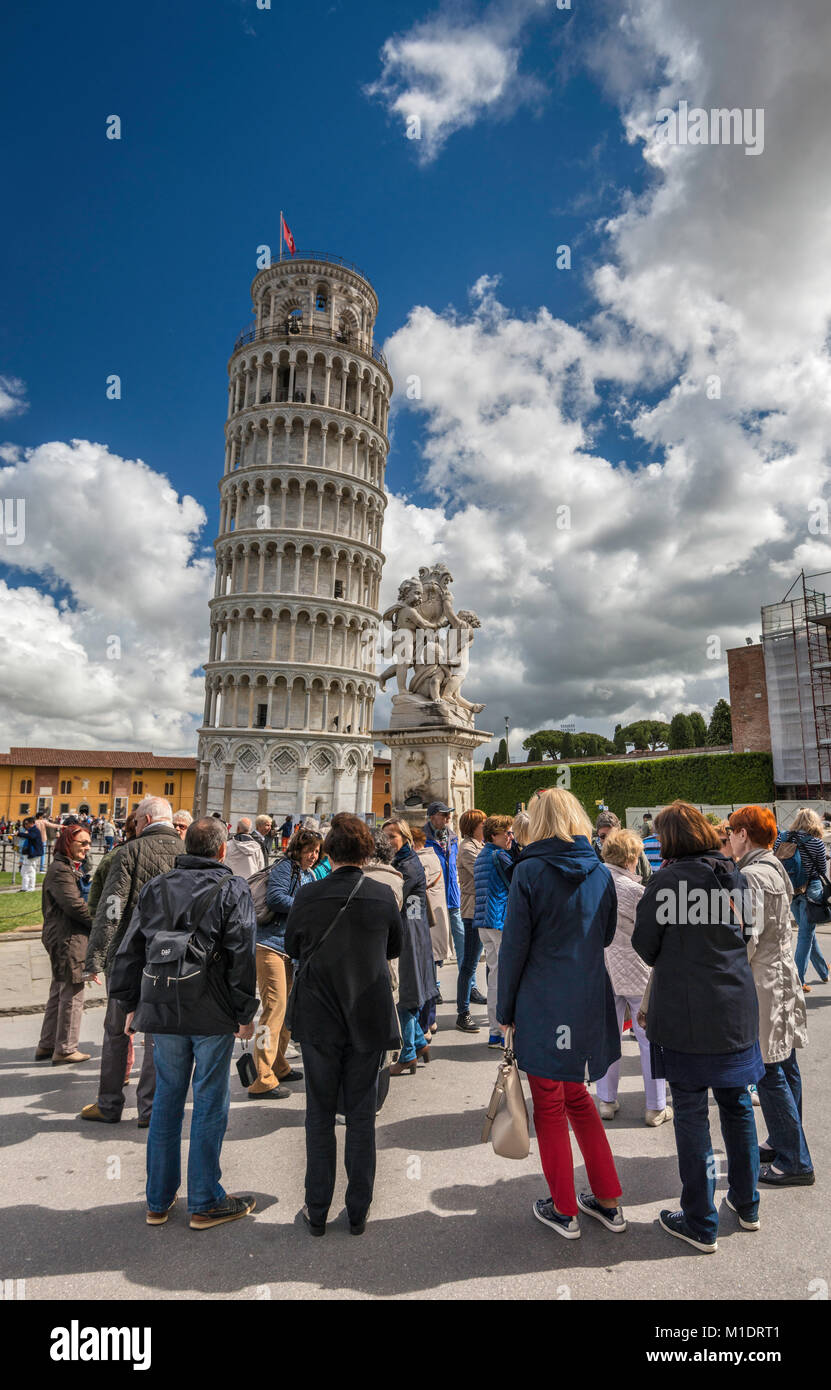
(507, 747)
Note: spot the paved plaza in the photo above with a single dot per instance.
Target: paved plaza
(449, 1220)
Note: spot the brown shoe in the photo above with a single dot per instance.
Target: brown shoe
(91, 1112)
(806, 989)
(402, 1068)
(43, 1053)
(158, 1218)
(231, 1209)
(69, 1057)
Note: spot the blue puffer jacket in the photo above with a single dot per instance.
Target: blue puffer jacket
(553, 983)
(491, 880)
(447, 859)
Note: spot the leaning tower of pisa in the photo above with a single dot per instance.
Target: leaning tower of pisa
(290, 677)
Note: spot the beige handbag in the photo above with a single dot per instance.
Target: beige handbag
(506, 1120)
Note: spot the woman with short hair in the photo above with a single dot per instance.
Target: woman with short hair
(629, 977)
(416, 975)
(492, 880)
(554, 988)
(66, 927)
(343, 929)
(702, 1019)
(786, 1160)
(274, 968)
(470, 846)
(806, 831)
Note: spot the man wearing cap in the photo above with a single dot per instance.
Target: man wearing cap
(441, 838)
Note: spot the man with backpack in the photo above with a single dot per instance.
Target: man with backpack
(185, 973)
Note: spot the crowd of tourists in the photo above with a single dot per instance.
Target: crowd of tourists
(681, 938)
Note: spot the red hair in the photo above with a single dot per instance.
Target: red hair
(66, 835)
(758, 821)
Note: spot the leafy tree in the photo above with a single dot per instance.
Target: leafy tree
(619, 742)
(699, 730)
(545, 741)
(501, 757)
(646, 733)
(721, 725)
(487, 765)
(534, 752)
(567, 746)
(680, 731)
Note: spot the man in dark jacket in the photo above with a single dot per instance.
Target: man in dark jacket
(194, 1034)
(152, 852)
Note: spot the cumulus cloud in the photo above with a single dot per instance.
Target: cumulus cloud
(445, 74)
(708, 348)
(104, 652)
(12, 396)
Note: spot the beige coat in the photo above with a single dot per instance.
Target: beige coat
(468, 852)
(385, 873)
(436, 903)
(628, 973)
(782, 1019)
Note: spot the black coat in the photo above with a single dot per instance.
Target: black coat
(345, 995)
(703, 999)
(416, 971)
(230, 997)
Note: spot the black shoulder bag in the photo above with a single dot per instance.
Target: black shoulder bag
(303, 967)
(817, 908)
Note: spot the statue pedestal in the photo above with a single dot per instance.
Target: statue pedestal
(431, 760)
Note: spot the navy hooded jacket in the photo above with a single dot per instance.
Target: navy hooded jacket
(553, 983)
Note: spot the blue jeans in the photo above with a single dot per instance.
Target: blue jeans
(696, 1163)
(806, 942)
(412, 1037)
(457, 931)
(780, 1098)
(175, 1057)
(467, 969)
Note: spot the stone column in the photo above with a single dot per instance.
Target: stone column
(302, 791)
(337, 774)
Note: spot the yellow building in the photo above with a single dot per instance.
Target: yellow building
(60, 781)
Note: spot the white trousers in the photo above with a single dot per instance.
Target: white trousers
(656, 1091)
(29, 874)
(491, 941)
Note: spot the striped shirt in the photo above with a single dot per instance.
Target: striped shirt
(811, 848)
(652, 850)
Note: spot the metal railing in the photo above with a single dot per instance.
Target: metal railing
(325, 256)
(283, 333)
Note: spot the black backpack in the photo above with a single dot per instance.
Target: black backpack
(176, 969)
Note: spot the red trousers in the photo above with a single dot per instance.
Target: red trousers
(555, 1104)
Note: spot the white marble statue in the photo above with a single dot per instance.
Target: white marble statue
(429, 637)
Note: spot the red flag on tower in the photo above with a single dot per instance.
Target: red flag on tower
(284, 232)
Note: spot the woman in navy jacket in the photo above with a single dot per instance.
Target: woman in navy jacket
(553, 986)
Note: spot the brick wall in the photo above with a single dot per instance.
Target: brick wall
(748, 699)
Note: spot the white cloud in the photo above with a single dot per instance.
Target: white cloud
(12, 396)
(107, 658)
(445, 74)
(716, 279)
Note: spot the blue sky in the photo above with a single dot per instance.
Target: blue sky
(542, 389)
(135, 256)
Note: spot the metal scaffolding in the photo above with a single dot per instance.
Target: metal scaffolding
(797, 655)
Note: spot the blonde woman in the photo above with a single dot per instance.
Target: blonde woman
(521, 829)
(629, 976)
(806, 831)
(553, 987)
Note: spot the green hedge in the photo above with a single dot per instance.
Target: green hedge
(713, 779)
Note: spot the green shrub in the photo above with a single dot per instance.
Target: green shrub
(710, 779)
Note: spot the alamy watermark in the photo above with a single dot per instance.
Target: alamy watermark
(719, 126)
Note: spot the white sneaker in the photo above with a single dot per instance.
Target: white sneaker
(745, 1225)
(659, 1117)
(608, 1108)
(292, 1051)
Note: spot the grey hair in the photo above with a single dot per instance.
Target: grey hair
(261, 821)
(183, 818)
(384, 852)
(155, 808)
(206, 837)
(243, 825)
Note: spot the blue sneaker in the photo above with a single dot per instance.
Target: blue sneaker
(748, 1219)
(610, 1217)
(545, 1212)
(497, 1040)
(674, 1223)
